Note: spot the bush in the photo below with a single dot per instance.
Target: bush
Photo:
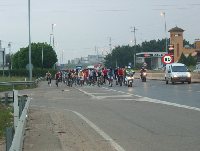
(25, 73)
(6, 118)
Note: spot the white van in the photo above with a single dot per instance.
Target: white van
(177, 72)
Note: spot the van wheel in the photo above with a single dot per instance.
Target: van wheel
(173, 82)
(189, 82)
(166, 81)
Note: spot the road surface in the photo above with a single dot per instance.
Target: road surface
(114, 118)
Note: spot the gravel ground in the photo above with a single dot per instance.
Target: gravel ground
(2, 145)
(52, 130)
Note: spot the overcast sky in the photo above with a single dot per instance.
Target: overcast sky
(82, 25)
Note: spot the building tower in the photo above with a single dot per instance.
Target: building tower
(176, 39)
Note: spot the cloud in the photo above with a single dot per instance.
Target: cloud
(113, 10)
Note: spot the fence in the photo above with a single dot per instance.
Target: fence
(15, 134)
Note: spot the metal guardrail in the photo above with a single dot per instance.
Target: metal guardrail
(18, 139)
(13, 83)
(17, 83)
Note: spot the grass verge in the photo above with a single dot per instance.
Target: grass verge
(6, 118)
(17, 87)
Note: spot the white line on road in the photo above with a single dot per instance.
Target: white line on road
(146, 99)
(89, 94)
(101, 132)
(115, 146)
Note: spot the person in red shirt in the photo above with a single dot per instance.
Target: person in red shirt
(105, 75)
(120, 74)
(57, 77)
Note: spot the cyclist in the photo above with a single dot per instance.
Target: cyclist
(48, 77)
(57, 77)
(110, 76)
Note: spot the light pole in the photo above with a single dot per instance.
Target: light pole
(9, 46)
(163, 14)
(42, 57)
(3, 52)
(50, 39)
(52, 26)
(29, 24)
(133, 30)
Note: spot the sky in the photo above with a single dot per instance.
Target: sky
(84, 27)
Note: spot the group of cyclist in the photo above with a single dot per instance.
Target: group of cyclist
(91, 76)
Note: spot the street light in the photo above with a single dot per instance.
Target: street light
(163, 14)
(3, 58)
(52, 26)
(30, 65)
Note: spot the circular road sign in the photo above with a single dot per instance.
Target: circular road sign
(167, 59)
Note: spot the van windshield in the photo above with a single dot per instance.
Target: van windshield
(179, 69)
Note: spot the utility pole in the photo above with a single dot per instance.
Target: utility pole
(9, 46)
(110, 44)
(3, 56)
(29, 25)
(42, 57)
(50, 39)
(133, 30)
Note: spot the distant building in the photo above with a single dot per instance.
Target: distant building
(2, 56)
(90, 59)
(93, 59)
(152, 59)
(176, 40)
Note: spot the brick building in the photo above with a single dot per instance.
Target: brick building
(176, 40)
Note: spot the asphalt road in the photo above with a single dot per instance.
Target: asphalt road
(121, 117)
(184, 94)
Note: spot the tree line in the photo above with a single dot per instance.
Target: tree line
(123, 55)
(120, 55)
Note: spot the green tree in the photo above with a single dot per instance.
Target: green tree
(122, 55)
(21, 58)
(183, 59)
(191, 60)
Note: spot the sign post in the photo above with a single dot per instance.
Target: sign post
(167, 59)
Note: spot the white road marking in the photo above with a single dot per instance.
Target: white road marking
(89, 94)
(115, 146)
(146, 99)
(138, 96)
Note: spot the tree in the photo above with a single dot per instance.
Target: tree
(183, 59)
(188, 61)
(191, 60)
(21, 58)
(123, 55)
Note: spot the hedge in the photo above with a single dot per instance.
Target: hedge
(25, 73)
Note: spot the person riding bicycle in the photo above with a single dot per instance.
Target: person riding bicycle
(48, 77)
(120, 74)
(110, 76)
(57, 77)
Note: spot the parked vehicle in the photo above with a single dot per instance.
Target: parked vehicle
(177, 72)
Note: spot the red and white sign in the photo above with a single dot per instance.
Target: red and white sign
(167, 59)
(171, 47)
